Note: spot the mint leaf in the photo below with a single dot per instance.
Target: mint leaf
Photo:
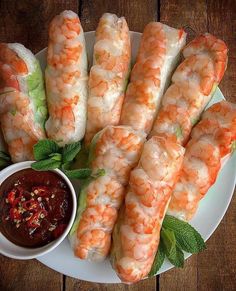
(4, 156)
(78, 174)
(55, 157)
(45, 165)
(171, 249)
(5, 160)
(99, 173)
(176, 257)
(169, 241)
(70, 151)
(45, 147)
(186, 236)
(158, 261)
(3, 163)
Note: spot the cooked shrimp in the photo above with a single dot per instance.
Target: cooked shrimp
(216, 49)
(117, 150)
(22, 101)
(137, 232)
(158, 52)
(109, 74)
(211, 140)
(66, 79)
(194, 83)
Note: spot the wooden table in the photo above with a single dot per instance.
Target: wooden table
(26, 21)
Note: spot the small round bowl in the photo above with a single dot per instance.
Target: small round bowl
(14, 251)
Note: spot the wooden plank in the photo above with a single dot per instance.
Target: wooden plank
(222, 23)
(27, 22)
(217, 268)
(137, 14)
(27, 275)
(191, 15)
(145, 285)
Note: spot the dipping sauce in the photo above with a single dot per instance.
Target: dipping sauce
(35, 207)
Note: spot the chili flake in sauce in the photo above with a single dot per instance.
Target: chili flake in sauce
(35, 207)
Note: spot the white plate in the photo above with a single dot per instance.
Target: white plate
(210, 213)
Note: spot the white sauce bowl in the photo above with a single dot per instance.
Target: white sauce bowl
(9, 249)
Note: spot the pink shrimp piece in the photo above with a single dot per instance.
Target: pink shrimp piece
(66, 79)
(211, 140)
(116, 149)
(22, 107)
(194, 83)
(159, 48)
(109, 74)
(137, 232)
(216, 48)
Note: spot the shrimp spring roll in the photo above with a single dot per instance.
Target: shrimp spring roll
(211, 141)
(137, 232)
(117, 150)
(157, 57)
(109, 74)
(23, 108)
(66, 79)
(194, 83)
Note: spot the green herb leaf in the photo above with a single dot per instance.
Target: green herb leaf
(176, 257)
(169, 241)
(45, 165)
(5, 160)
(188, 239)
(13, 112)
(172, 251)
(178, 132)
(55, 157)
(99, 173)
(233, 146)
(194, 121)
(45, 147)
(158, 261)
(70, 151)
(78, 174)
(3, 163)
(4, 156)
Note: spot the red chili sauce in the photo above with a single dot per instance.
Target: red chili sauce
(35, 207)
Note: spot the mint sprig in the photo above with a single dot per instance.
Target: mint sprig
(186, 236)
(46, 165)
(70, 151)
(176, 236)
(44, 148)
(158, 261)
(49, 156)
(171, 249)
(5, 160)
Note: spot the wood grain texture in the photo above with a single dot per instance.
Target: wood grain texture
(26, 21)
(137, 13)
(220, 273)
(27, 275)
(77, 285)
